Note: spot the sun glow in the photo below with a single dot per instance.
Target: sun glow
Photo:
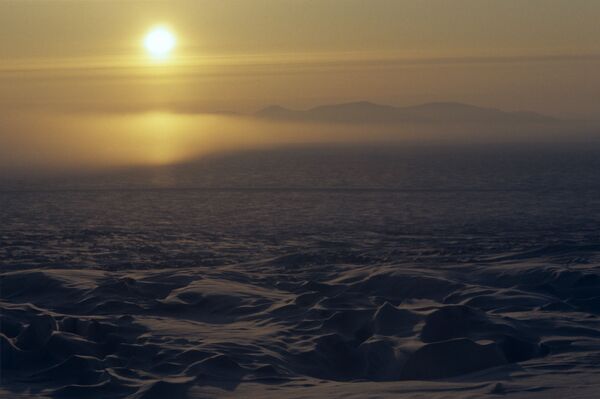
(159, 42)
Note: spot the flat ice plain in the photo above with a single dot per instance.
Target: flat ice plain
(436, 274)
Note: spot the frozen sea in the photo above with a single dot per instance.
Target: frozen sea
(374, 272)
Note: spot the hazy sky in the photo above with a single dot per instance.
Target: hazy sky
(60, 58)
(241, 55)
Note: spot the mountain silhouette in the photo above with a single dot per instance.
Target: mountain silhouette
(365, 112)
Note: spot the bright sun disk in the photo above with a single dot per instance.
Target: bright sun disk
(159, 42)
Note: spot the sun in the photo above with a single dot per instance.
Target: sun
(159, 42)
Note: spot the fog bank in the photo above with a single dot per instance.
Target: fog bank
(49, 143)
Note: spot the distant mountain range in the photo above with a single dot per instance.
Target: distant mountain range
(364, 112)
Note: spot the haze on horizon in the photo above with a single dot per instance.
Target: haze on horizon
(78, 90)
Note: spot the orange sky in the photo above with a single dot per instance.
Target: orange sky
(76, 84)
(242, 55)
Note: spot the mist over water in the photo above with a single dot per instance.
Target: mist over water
(73, 142)
(35, 144)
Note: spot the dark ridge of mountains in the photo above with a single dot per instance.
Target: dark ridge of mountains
(364, 112)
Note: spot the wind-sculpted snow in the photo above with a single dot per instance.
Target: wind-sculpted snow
(174, 294)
